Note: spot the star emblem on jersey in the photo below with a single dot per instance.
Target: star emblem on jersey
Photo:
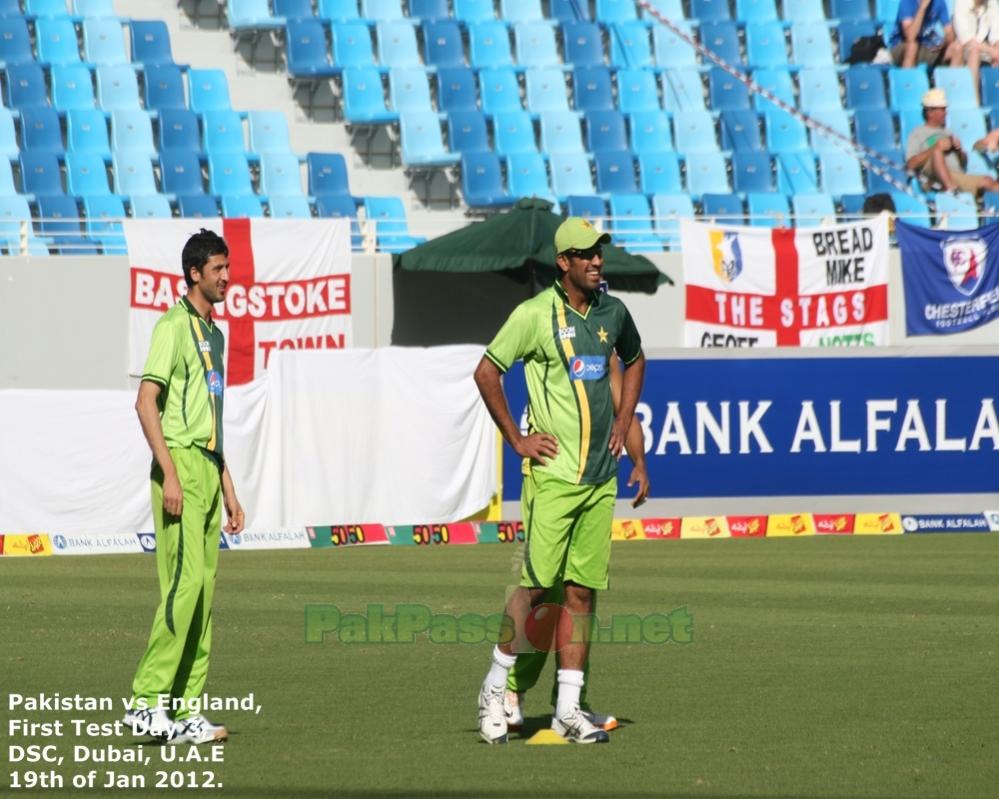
(603, 335)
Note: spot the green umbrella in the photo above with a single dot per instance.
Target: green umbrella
(523, 237)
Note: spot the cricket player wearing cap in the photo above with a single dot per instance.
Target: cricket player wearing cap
(566, 336)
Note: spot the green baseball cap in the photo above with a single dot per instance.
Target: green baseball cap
(577, 233)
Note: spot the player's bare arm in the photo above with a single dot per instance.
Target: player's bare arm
(631, 386)
(149, 417)
(537, 446)
(634, 444)
(236, 519)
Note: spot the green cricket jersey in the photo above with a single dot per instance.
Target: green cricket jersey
(186, 359)
(566, 362)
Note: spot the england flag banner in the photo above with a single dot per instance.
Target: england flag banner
(781, 287)
(951, 278)
(289, 286)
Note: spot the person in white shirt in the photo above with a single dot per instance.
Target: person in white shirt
(976, 26)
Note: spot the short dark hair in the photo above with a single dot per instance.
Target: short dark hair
(199, 248)
(876, 203)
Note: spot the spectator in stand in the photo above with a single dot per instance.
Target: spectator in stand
(976, 26)
(923, 35)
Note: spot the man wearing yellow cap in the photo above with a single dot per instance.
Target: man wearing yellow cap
(937, 155)
(566, 336)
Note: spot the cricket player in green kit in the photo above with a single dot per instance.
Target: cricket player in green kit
(180, 410)
(565, 336)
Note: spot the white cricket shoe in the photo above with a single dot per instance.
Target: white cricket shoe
(513, 709)
(492, 718)
(151, 721)
(601, 720)
(575, 727)
(199, 730)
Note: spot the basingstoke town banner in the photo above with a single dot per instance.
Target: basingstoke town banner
(951, 278)
(289, 286)
(803, 287)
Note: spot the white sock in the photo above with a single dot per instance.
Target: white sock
(570, 683)
(498, 671)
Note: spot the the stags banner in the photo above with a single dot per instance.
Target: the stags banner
(289, 286)
(804, 287)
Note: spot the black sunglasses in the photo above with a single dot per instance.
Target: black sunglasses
(588, 254)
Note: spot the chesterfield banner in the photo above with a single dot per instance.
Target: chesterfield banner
(289, 286)
(803, 287)
(951, 278)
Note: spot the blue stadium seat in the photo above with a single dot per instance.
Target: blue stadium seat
(45, 8)
(615, 172)
(812, 210)
(327, 174)
(811, 44)
(570, 174)
(397, 48)
(10, 8)
(756, 10)
(364, 97)
(103, 42)
(513, 132)
(650, 131)
(132, 130)
(778, 82)
(818, 89)
(671, 9)
(709, 10)
(726, 93)
(725, 208)
(467, 132)
(695, 132)
(163, 87)
(765, 45)
(850, 9)
(840, 173)
(682, 91)
(150, 43)
(785, 133)
(586, 206)
(631, 223)
(629, 45)
(796, 173)
(7, 187)
(197, 206)
(40, 130)
(614, 11)
(103, 214)
(722, 38)
(482, 181)
(117, 87)
(605, 130)
(671, 51)
(251, 15)
(209, 90)
(420, 139)
(293, 10)
(337, 10)
(500, 90)
(707, 173)
(545, 90)
(150, 206)
(93, 8)
(86, 174)
(181, 173)
(87, 132)
(740, 130)
(306, 50)
(527, 175)
(877, 184)
(352, 45)
(40, 172)
(268, 132)
(229, 174)
(72, 88)
(668, 209)
(489, 45)
(838, 121)
(659, 173)
(637, 91)
(849, 32)
(442, 46)
(409, 90)
(851, 206)
(179, 130)
(908, 120)
(15, 42)
(907, 86)
(968, 125)
(338, 206)
(223, 132)
(13, 211)
(911, 209)
(560, 133)
(768, 209)
(280, 175)
(429, 10)
(241, 206)
(381, 10)
(592, 89)
(752, 171)
(582, 44)
(534, 44)
(25, 86)
(990, 86)
(59, 220)
(471, 11)
(990, 208)
(56, 41)
(290, 207)
(133, 174)
(957, 83)
(569, 10)
(875, 129)
(392, 230)
(456, 90)
(865, 87)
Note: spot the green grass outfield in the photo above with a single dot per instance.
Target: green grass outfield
(823, 667)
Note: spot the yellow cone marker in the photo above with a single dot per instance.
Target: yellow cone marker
(546, 737)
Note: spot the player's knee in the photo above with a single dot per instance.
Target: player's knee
(578, 598)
